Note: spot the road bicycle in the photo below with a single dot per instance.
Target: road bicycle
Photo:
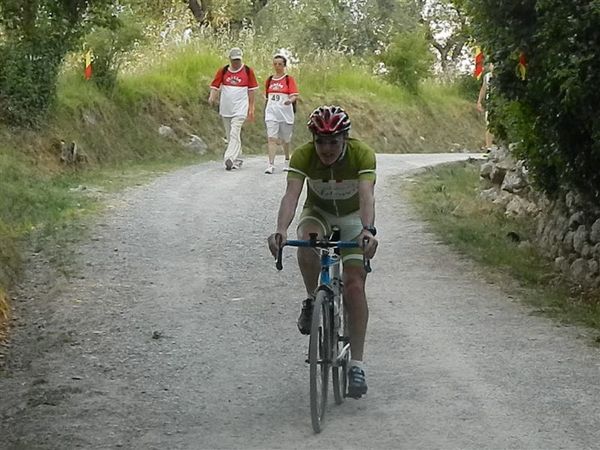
(329, 342)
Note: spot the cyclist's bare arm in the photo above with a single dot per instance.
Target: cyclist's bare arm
(366, 195)
(287, 211)
(289, 202)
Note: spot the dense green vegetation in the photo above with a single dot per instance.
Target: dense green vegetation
(552, 113)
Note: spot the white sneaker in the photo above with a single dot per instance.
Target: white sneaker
(270, 169)
(237, 164)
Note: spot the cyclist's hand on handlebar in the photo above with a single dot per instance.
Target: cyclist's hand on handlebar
(275, 242)
(369, 242)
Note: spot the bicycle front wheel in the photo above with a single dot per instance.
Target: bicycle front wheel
(319, 359)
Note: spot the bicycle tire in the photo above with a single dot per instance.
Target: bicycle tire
(319, 358)
(339, 375)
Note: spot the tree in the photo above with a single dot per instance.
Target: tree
(447, 31)
(37, 36)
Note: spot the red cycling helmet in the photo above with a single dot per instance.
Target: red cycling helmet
(329, 120)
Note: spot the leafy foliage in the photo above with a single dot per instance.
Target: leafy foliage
(553, 113)
(109, 48)
(358, 27)
(37, 34)
(408, 59)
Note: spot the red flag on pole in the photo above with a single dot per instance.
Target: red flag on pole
(522, 66)
(478, 63)
(88, 65)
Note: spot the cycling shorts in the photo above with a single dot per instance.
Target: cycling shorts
(350, 229)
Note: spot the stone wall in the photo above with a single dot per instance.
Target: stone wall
(568, 228)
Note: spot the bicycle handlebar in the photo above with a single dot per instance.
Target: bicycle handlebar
(320, 243)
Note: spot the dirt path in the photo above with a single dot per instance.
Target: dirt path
(177, 332)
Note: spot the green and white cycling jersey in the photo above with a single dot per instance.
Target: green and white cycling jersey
(334, 189)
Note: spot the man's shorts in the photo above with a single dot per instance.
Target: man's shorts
(280, 130)
(350, 229)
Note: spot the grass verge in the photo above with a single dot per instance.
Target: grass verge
(446, 197)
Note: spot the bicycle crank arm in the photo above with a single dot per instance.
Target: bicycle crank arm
(341, 356)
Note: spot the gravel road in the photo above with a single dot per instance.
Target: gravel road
(176, 332)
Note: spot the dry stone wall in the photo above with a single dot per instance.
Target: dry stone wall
(568, 228)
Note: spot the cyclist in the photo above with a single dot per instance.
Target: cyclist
(340, 174)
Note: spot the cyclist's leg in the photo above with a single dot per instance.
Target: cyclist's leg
(355, 301)
(354, 277)
(308, 258)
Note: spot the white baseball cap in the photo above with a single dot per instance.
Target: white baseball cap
(236, 53)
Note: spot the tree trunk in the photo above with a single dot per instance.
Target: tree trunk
(197, 9)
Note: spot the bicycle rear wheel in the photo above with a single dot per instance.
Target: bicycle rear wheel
(319, 358)
(339, 374)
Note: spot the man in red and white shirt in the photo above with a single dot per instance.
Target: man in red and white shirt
(236, 84)
(281, 92)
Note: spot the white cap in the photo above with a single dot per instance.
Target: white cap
(236, 53)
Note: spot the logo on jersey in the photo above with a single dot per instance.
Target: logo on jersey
(276, 86)
(334, 189)
(234, 80)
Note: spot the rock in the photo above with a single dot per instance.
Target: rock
(503, 199)
(580, 239)
(489, 194)
(595, 232)
(579, 269)
(514, 181)
(157, 334)
(486, 169)
(197, 145)
(562, 264)
(166, 131)
(576, 220)
(497, 175)
(89, 118)
(517, 207)
(593, 267)
(596, 251)
(568, 241)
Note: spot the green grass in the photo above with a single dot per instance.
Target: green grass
(447, 199)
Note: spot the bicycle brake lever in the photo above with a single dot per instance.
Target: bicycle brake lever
(279, 262)
(366, 262)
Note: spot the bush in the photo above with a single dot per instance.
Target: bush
(408, 59)
(552, 114)
(109, 46)
(28, 72)
(468, 87)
